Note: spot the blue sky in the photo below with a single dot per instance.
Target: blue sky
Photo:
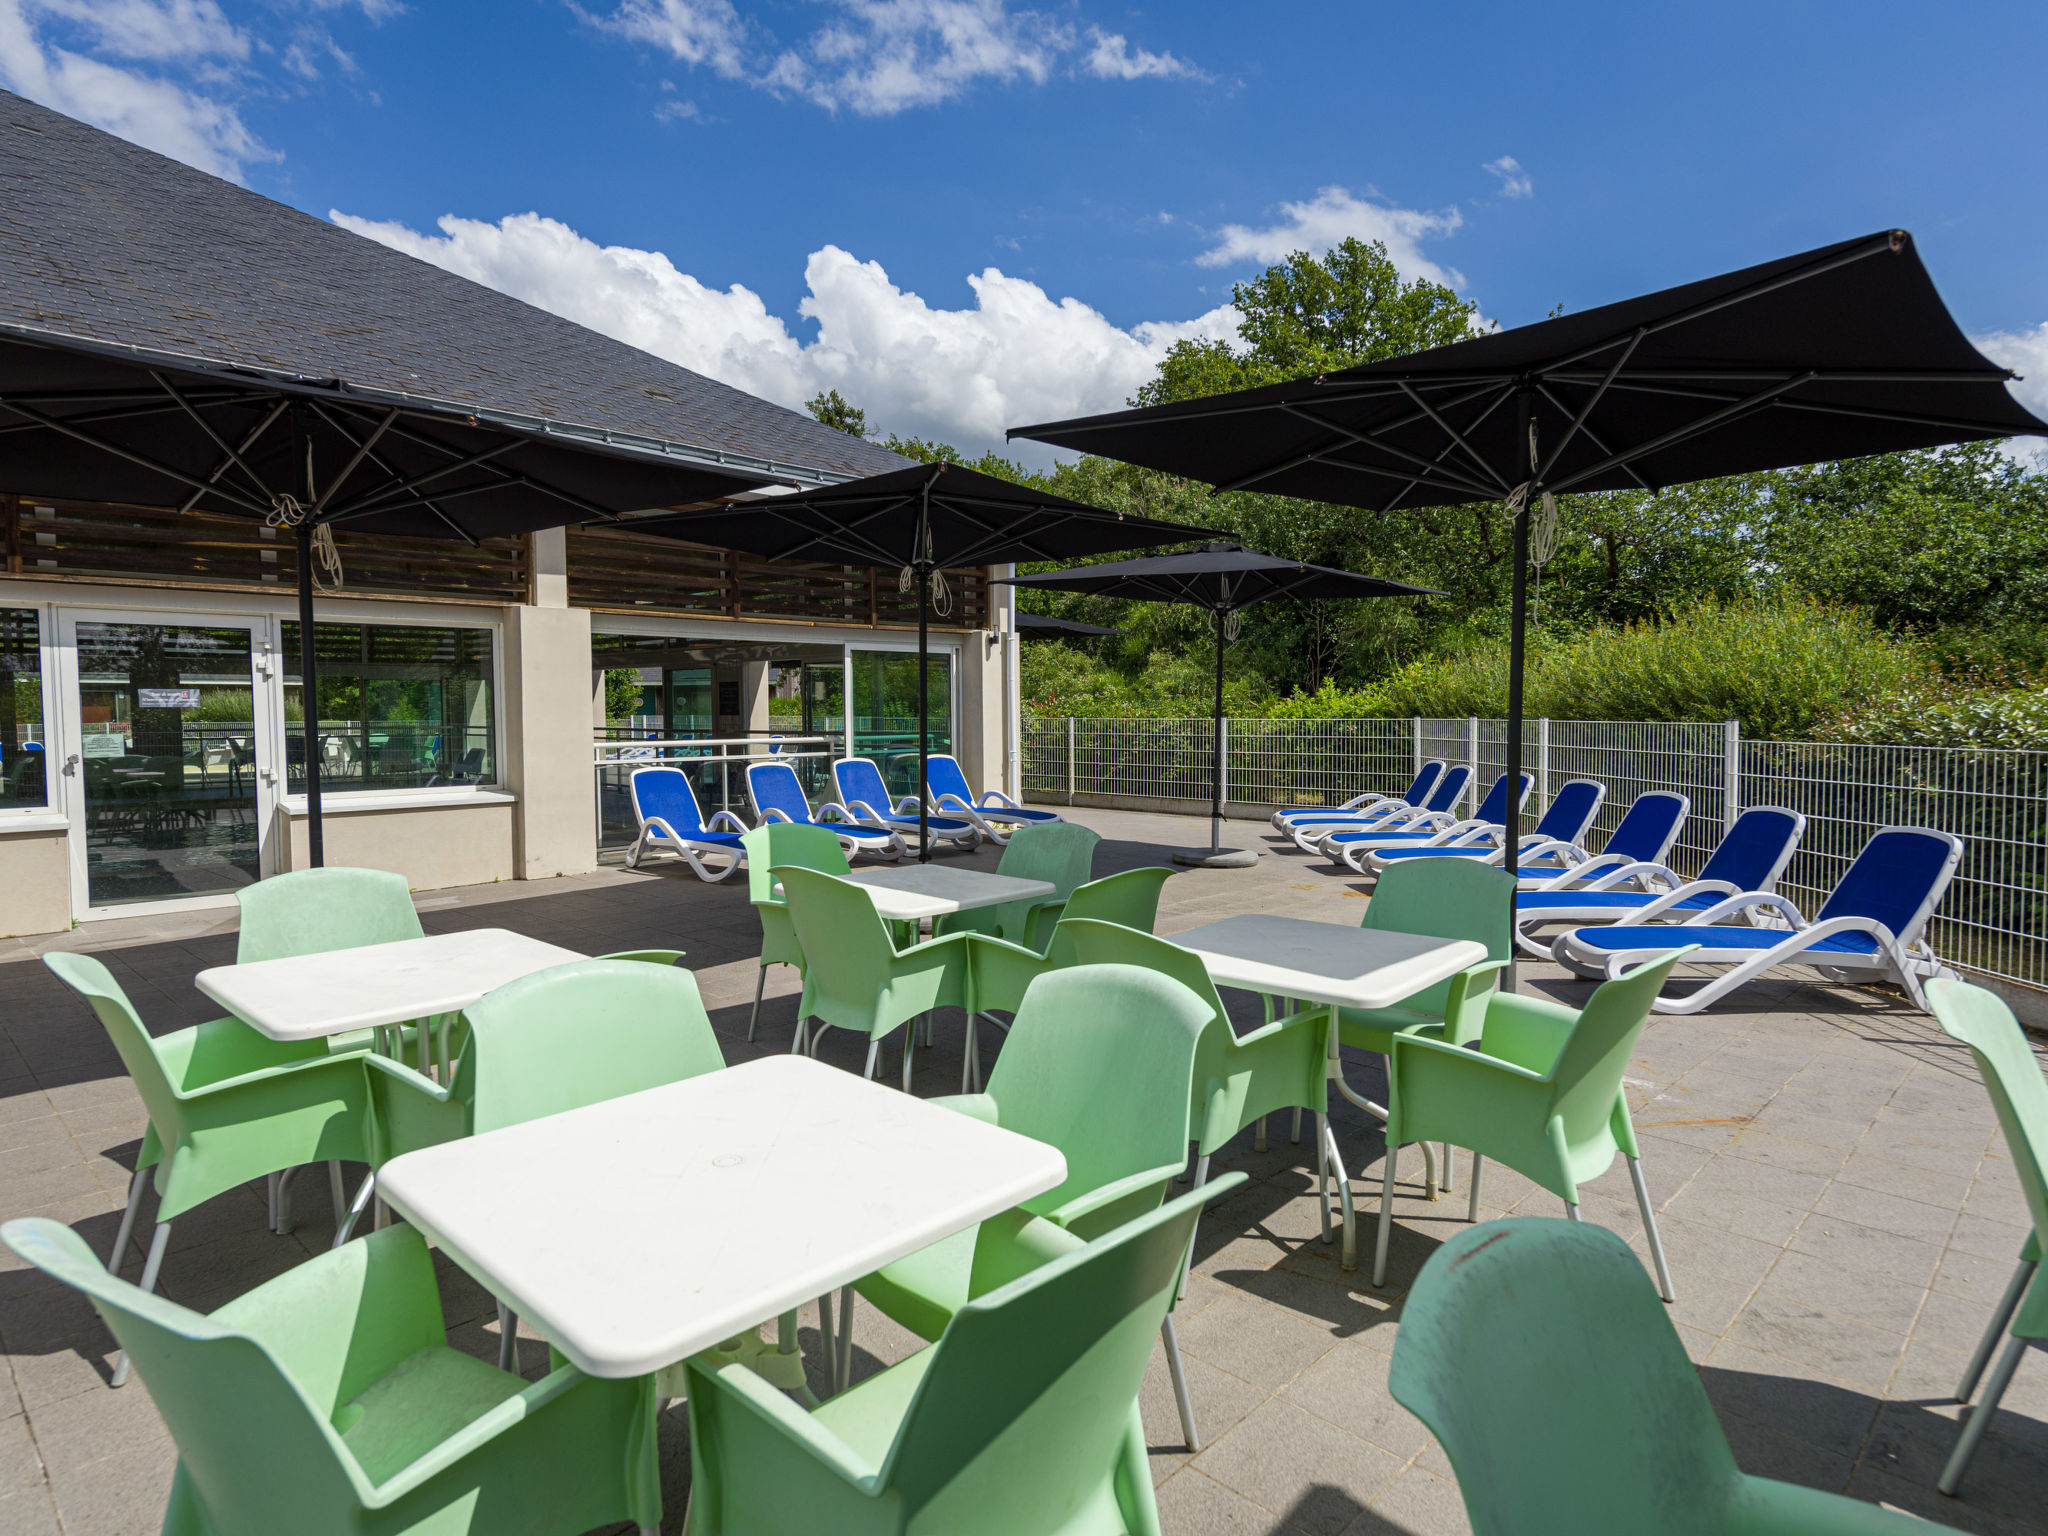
(967, 214)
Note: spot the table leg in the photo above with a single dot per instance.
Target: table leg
(1371, 1108)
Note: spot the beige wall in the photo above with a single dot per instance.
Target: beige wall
(980, 747)
(431, 846)
(547, 745)
(35, 883)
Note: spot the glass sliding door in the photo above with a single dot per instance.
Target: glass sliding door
(885, 711)
(163, 757)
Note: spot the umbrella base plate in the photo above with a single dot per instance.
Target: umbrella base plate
(1217, 858)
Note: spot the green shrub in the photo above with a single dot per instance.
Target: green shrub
(1329, 702)
(1937, 715)
(1060, 679)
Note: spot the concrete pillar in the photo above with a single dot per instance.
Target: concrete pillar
(548, 568)
(979, 742)
(547, 741)
(754, 695)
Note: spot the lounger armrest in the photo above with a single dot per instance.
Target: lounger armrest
(658, 826)
(834, 805)
(997, 798)
(725, 816)
(1535, 848)
(907, 804)
(1886, 939)
(776, 813)
(1606, 871)
(1672, 898)
(954, 802)
(1463, 834)
(1752, 901)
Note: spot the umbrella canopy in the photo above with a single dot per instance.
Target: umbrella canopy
(1046, 624)
(1839, 352)
(1221, 578)
(919, 520)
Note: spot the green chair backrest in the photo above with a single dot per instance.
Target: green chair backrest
(2012, 1076)
(1098, 1063)
(1021, 1418)
(579, 1034)
(255, 1447)
(847, 950)
(1129, 899)
(312, 911)
(1588, 1071)
(785, 842)
(1538, 1353)
(95, 983)
(1445, 899)
(1059, 852)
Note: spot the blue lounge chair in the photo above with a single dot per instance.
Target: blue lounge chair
(1417, 791)
(946, 782)
(670, 818)
(1647, 831)
(866, 798)
(1438, 829)
(1750, 857)
(1310, 829)
(1871, 926)
(1564, 822)
(778, 795)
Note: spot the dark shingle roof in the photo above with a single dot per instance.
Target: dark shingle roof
(114, 245)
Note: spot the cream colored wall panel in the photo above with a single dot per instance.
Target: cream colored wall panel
(35, 883)
(432, 846)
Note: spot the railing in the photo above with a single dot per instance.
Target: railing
(716, 766)
(1994, 920)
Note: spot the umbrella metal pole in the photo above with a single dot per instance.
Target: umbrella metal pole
(1216, 748)
(309, 681)
(924, 709)
(1518, 639)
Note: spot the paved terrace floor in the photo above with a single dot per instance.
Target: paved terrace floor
(1839, 1210)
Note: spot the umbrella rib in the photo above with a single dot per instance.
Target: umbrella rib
(376, 498)
(248, 442)
(154, 466)
(1596, 440)
(397, 475)
(1821, 375)
(1348, 438)
(206, 426)
(362, 452)
(1502, 393)
(523, 477)
(1664, 440)
(1836, 408)
(1579, 420)
(1457, 438)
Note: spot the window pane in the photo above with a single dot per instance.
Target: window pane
(885, 711)
(21, 711)
(401, 706)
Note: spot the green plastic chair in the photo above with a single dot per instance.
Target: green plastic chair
(1537, 1354)
(1059, 852)
(221, 1112)
(1443, 899)
(328, 1403)
(1541, 1091)
(1099, 1064)
(855, 977)
(553, 1041)
(1022, 1420)
(770, 844)
(2019, 1093)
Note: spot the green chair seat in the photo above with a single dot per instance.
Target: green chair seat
(416, 1405)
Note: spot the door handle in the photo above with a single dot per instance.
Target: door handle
(71, 765)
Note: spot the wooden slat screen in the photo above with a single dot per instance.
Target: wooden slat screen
(634, 573)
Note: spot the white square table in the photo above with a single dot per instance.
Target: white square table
(910, 893)
(634, 1233)
(1337, 966)
(306, 997)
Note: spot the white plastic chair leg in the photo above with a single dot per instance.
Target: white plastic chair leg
(119, 1255)
(1635, 1174)
(754, 1018)
(2000, 1321)
(150, 1269)
(508, 1338)
(1981, 1416)
(1179, 1374)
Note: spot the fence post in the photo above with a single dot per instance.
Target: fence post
(1070, 759)
(1417, 719)
(1472, 756)
(1543, 761)
(1731, 773)
(1223, 763)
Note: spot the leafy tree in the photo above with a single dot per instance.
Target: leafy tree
(830, 407)
(621, 693)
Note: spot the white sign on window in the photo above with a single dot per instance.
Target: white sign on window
(167, 698)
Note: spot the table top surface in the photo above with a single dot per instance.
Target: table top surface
(907, 891)
(1325, 962)
(303, 997)
(633, 1233)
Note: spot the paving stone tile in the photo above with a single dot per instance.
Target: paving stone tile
(1888, 1212)
(21, 1466)
(1987, 1239)
(29, 1512)
(1314, 1475)
(120, 1495)
(1757, 1145)
(1843, 1348)
(1348, 1387)
(1763, 1452)
(1220, 1401)
(1192, 1504)
(1896, 1493)
(90, 1426)
(1789, 1399)
(1254, 1341)
(1799, 1279)
(1417, 1503)
(1852, 1246)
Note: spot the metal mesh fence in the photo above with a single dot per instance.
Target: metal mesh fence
(1993, 921)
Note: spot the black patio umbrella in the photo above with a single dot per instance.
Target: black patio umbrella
(1046, 624)
(1222, 578)
(919, 520)
(1832, 354)
(85, 422)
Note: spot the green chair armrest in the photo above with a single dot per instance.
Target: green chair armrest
(1001, 972)
(1527, 1031)
(1465, 1009)
(1040, 918)
(1442, 1092)
(789, 1429)
(413, 1110)
(651, 956)
(1011, 1244)
(1762, 1506)
(412, 1079)
(220, 1049)
(976, 1106)
(1074, 1212)
(307, 1071)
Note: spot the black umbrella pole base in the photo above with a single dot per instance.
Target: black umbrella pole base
(1217, 858)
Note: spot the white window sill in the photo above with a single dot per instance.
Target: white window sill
(451, 798)
(33, 821)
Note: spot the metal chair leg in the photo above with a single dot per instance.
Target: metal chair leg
(150, 1269)
(1981, 1416)
(1322, 1174)
(874, 1055)
(508, 1338)
(356, 1207)
(2000, 1321)
(1295, 1134)
(337, 1194)
(754, 1018)
(1349, 1256)
(909, 1052)
(1635, 1173)
(1472, 1200)
(1259, 1134)
(1181, 1400)
(1571, 1213)
(1379, 1247)
(119, 1255)
(842, 1374)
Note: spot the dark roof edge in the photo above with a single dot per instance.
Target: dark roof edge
(627, 444)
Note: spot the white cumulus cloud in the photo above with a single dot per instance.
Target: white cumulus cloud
(1110, 57)
(2026, 353)
(1514, 181)
(707, 32)
(1329, 218)
(1016, 355)
(150, 110)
